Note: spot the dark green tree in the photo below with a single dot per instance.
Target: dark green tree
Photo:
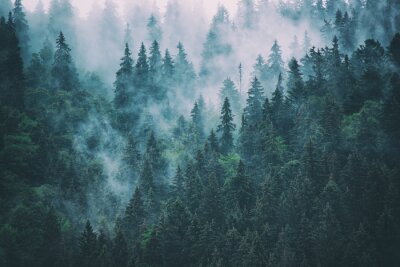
(88, 247)
(119, 251)
(241, 189)
(226, 128)
(22, 29)
(65, 76)
(124, 80)
(255, 100)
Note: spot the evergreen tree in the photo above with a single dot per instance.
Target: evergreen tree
(154, 29)
(260, 68)
(147, 178)
(295, 85)
(178, 183)
(213, 141)
(254, 101)
(275, 62)
(134, 216)
(64, 72)
(141, 73)
(88, 247)
(22, 29)
(124, 79)
(229, 91)
(241, 189)
(11, 69)
(168, 69)
(155, 71)
(197, 120)
(184, 71)
(226, 126)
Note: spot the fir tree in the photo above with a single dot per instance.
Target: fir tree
(155, 71)
(229, 91)
(197, 120)
(295, 85)
(275, 62)
(21, 29)
(255, 99)
(154, 29)
(226, 127)
(64, 72)
(88, 247)
(142, 71)
(124, 79)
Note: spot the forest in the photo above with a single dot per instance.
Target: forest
(264, 136)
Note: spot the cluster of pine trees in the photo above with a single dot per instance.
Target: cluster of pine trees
(307, 175)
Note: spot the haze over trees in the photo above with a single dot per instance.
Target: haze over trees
(165, 139)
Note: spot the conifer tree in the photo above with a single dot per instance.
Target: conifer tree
(155, 71)
(275, 62)
(142, 71)
(168, 69)
(229, 91)
(124, 80)
(88, 247)
(213, 142)
(241, 189)
(64, 72)
(295, 85)
(147, 178)
(154, 29)
(178, 183)
(226, 127)
(119, 251)
(11, 70)
(22, 29)
(254, 101)
(197, 120)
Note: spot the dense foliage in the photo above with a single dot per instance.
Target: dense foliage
(303, 171)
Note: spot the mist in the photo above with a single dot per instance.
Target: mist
(181, 132)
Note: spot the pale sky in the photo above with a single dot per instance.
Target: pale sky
(84, 5)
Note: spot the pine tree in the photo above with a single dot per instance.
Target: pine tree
(295, 85)
(124, 80)
(254, 101)
(241, 189)
(197, 120)
(64, 72)
(22, 29)
(260, 68)
(213, 142)
(154, 155)
(154, 29)
(178, 183)
(229, 91)
(119, 251)
(275, 62)
(155, 71)
(134, 216)
(146, 179)
(226, 127)
(168, 69)
(211, 208)
(11, 69)
(172, 233)
(131, 153)
(142, 72)
(246, 14)
(184, 71)
(88, 247)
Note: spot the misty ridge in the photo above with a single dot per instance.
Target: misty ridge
(158, 136)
